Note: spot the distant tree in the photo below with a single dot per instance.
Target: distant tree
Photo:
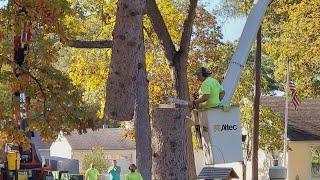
(271, 132)
(97, 157)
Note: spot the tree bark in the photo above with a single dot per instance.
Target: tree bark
(127, 49)
(142, 124)
(179, 76)
(161, 30)
(181, 85)
(256, 109)
(169, 147)
(89, 44)
(181, 80)
(177, 61)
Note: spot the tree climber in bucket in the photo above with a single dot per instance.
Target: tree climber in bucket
(210, 91)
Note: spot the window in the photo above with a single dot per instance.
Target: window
(124, 157)
(315, 161)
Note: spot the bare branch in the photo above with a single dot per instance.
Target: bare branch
(89, 44)
(160, 28)
(187, 27)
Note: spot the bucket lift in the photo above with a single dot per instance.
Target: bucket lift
(220, 135)
(220, 130)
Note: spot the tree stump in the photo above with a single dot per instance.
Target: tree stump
(127, 49)
(169, 147)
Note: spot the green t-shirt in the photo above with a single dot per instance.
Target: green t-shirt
(92, 174)
(213, 88)
(134, 176)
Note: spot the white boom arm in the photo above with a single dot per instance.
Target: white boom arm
(241, 53)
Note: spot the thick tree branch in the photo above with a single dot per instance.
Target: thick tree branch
(160, 28)
(187, 27)
(89, 44)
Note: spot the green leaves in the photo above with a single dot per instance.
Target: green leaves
(270, 126)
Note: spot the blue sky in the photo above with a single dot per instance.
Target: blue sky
(2, 2)
(230, 28)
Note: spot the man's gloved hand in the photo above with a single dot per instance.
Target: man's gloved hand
(225, 108)
(192, 104)
(195, 95)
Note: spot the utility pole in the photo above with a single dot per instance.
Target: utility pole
(256, 109)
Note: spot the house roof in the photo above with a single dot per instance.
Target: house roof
(217, 173)
(108, 138)
(303, 124)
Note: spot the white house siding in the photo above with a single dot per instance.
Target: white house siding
(299, 160)
(61, 148)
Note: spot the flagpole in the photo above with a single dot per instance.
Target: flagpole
(286, 119)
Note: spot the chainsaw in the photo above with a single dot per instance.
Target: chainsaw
(170, 100)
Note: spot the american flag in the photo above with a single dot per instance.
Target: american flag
(294, 97)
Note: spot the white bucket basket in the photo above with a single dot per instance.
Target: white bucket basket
(221, 135)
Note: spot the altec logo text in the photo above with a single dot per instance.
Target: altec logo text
(224, 127)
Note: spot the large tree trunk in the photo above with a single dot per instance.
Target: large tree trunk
(181, 85)
(169, 144)
(177, 60)
(142, 124)
(180, 80)
(180, 62)
(127, 49)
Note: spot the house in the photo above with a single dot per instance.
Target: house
(304, 137)
(111, 140)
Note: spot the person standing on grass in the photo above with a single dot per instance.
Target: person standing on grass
(114, 171)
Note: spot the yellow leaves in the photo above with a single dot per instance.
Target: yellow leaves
(10, 134)
(298, 26)
(3, 138)
(156, 89)
(89, 68)
(173, 17)
(281, 10)
(73, 24)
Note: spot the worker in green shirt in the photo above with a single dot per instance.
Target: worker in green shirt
(133, 175)
(209, 92)
(114, 171)
(92, 173)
